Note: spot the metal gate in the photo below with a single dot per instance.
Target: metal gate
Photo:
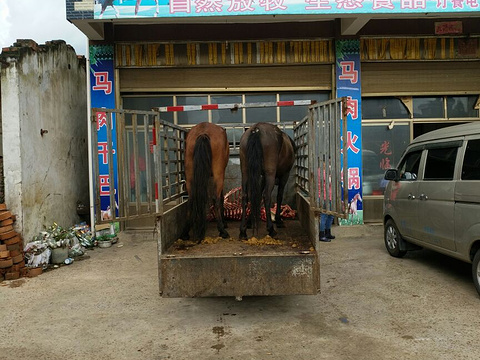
(322, 157)
(149, 171)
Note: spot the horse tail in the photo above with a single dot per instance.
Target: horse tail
(202, 168)
(255, 169)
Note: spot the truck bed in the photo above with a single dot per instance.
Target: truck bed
(231, 267)
(291, 240)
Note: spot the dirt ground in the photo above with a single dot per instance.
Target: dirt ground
(371, 306)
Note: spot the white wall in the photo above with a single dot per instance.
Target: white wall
(44, 88)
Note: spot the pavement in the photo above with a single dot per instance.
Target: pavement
(371, 306)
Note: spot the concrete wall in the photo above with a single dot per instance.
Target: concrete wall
(44, 112)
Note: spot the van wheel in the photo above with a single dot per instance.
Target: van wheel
(476, 270)
(392, 239)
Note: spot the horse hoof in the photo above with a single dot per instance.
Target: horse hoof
(224, 235)
(242, 236)
(272, 233)
(185, 237)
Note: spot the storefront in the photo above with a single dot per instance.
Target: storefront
(405, 76)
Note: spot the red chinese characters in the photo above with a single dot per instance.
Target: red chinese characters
(413, 4)
(182, 6)
(348, 72)
(102, 83)
(385, 150)
(354, 178)
(351, 140)
(349, 4)
(103, 151)
(318, 5)
(104, 181)
(241, 6)
(208, 6)
(352, 107)
(382, 4)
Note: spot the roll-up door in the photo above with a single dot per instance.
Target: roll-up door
(315, 77)
(420, 78)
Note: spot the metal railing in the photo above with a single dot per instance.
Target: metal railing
(321, 162)
(149, 168)
(148, 171)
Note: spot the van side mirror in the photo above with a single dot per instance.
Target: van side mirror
(391, 174)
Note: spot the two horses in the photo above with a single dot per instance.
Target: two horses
(266, 157)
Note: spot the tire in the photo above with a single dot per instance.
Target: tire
(392, 240)
(476, 271)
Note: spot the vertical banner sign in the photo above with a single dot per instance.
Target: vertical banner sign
(349, 85)
(103, 96)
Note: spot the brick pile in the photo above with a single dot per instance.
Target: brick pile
(12, 260)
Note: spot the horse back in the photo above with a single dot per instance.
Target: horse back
(218, 143)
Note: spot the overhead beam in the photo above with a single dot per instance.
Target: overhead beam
(93, 30)
(351, 26)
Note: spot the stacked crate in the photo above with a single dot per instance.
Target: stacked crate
(12, 261)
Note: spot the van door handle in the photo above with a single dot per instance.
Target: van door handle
(423, 197)
(411, 197)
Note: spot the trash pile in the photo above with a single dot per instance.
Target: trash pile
(51, 248)
(57, 245)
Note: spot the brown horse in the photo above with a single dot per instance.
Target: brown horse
(206, 157)
(267, 155)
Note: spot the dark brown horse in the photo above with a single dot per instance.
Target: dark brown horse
(206, 157)
(267, 155)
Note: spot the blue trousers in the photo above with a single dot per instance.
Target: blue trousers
(326, 222)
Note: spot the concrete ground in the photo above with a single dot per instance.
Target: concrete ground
(371, 306)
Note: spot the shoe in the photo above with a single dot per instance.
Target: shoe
(328, 234)
(323, 238)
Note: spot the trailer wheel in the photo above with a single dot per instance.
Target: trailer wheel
(476, 271)
(393, 239)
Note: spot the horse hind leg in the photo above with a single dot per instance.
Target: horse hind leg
(222, 210)
(267, 200)
(219, 216)
(188, 224)
(281, 188)
(243, 223)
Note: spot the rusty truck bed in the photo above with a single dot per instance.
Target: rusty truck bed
(232, 267)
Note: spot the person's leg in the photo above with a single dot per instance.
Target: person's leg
(323, 222)
(328, 226)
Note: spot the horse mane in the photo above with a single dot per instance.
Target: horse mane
(202, 169)
(255, 170)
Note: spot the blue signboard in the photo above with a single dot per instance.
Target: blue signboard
(349, 86)
(111, 9)
(103, 96)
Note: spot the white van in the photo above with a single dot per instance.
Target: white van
(433, 198)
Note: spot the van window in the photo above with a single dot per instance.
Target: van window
(408, 169)
(471, 161)
(440, 163)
